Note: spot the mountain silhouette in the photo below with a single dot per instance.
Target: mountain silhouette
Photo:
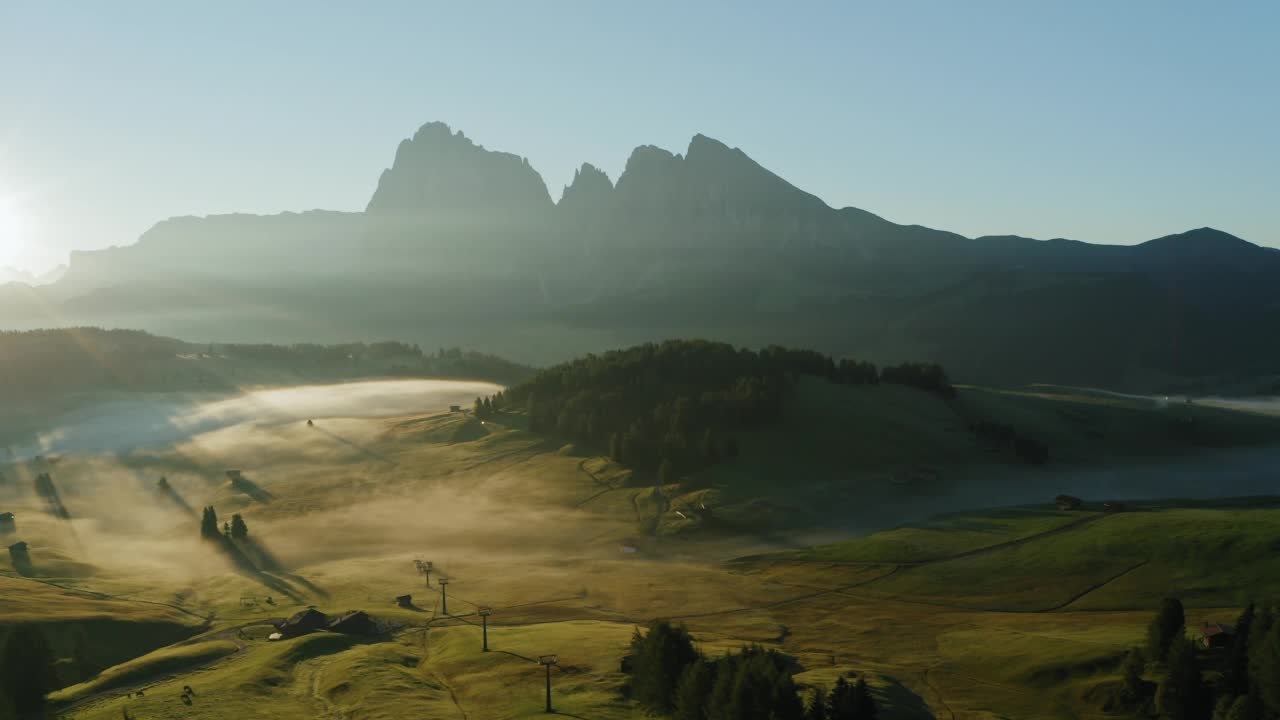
(464, 245)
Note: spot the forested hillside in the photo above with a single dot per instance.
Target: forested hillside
(675, 405)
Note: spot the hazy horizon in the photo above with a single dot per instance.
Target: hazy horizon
(1077, 121)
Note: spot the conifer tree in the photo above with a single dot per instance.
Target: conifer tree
(816, 709)
(1182, 695)
(864, 705)
(693, 692)
(659, 661)
(1132, 688)
(1236, 678)
(209, 524)
(26, 671)
(1168, 625)
(239, 530)
(1264, 663)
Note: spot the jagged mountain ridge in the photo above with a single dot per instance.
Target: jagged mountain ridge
(466, 242)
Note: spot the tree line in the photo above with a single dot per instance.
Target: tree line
(1240, 681)
(669, 676)
(680, 402)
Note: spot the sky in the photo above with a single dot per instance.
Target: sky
(1103, 121)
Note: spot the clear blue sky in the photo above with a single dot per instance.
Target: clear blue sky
(1103, 121)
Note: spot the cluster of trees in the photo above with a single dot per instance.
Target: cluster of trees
(1003, 435)
(26, 672)
(678, 402)
(487, 407)
(925, 376)
(237, 529)
(1246, 685)
(390, 357)
(670, 677)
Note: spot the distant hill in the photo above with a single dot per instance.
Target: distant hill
(45, 363)
(463, 245)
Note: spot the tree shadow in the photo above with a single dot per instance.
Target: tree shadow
(900, 702)
(266, 561)
(357, 446)
(245, 566)
(252, 489)
(48, 491)
(172, 496)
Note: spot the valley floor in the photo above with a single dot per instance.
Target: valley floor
(1023, 612)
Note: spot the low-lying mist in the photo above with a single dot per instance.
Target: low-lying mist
(156, 420)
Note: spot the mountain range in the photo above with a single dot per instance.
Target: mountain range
(463, 245)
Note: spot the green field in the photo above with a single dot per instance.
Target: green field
(1010, 612)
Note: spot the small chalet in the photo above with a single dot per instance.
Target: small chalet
(1068, 502)
(353, 622)
(303, 622)
(1114, 507)
(7, 523)
(455, 408)
(404, 601)
(1217, 635)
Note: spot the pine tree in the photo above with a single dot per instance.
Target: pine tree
(1182, 695)
(163, 484)
(239, 530)
(1168, 624)
(693, 691)
(615, 448)
(660, 659)
(841, 704)
(1237, 673)
(1264, 663)
(1132, 688)
(26, 671)
(479, 408)
(864, 705)
(816, 709)
(209, 524)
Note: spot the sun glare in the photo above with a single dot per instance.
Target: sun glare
(10, 229)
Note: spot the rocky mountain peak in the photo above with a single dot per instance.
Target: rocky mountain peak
(439, 170)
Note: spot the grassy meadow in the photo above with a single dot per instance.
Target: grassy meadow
(838, 538)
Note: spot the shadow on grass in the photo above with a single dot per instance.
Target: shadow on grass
(266, 561)
(175, 498)
(898, 702)
(252, 489)
(245, 566)
(363, 450)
